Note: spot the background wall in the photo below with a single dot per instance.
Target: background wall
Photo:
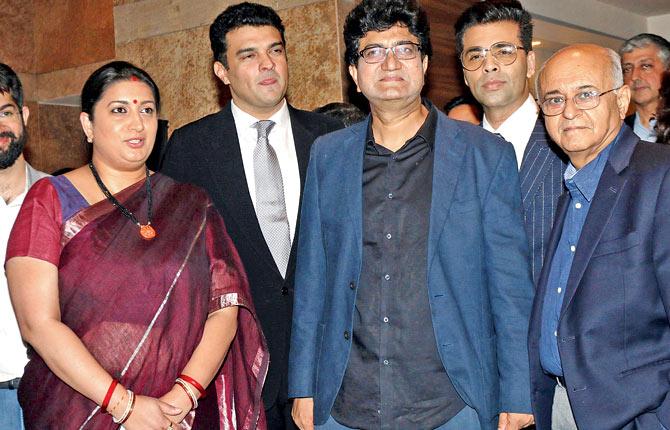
(55, 45)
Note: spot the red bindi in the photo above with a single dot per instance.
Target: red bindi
(134, 78)
(135, 101)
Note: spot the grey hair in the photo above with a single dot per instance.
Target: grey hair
(616, 72)
(645, 39)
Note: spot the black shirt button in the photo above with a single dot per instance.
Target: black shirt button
(284, 291)
(352, 286)
(346, 335)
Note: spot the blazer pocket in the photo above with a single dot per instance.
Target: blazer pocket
(617, 245)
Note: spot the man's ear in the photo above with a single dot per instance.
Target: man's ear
(221, 72)
(530, 61)
(353, 72)
(25, 113)
(623, 100)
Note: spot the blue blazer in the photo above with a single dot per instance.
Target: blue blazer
(614, 329)
(479, 283)
(541, 177)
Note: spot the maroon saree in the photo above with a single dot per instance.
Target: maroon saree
(140, 306)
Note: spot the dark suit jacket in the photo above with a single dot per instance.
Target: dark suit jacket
(541, 177)
(478, 275)
(207, 153)
(614, 329)
(630, 120)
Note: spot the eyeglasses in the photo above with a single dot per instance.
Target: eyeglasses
(584, 100)
(402, 51)
(503, 52)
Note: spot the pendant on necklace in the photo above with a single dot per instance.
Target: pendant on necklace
(147, 232)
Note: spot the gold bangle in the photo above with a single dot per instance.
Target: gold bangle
(128, 410)
(189, 392)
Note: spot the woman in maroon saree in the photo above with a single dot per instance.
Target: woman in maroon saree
(142, 312)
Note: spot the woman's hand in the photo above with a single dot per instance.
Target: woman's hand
(177, 397)
(150, 413)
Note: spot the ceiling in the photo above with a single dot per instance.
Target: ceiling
(642, 7)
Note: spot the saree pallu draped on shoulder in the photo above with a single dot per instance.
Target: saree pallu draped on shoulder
(140, 308)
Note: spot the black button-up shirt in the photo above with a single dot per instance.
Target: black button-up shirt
(395, 378)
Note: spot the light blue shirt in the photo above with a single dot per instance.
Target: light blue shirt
(581, 185)
(644, 133)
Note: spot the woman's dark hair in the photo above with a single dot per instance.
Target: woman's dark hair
(487, 12)
(10, 83)
(116, 71)
(663, 115)
(239, 15)
(380, 15)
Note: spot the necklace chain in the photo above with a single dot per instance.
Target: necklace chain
(128, 214)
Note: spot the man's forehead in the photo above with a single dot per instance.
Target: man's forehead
(253, 35)
(646, 53)
(395, 33)
(484, 35)
(571, 73)
(7, 99)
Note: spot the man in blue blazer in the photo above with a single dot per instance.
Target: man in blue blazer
(494, 42)
(413, 286)
(600, 333)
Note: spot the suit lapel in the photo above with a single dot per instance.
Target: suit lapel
(449, 153)
(352, 179)
(537, 162)
(607, 194)
(554, 238)
(302, 139)
(227, 170)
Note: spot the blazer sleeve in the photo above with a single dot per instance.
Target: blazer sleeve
(509, 282)
(661, 255)
(310, 287)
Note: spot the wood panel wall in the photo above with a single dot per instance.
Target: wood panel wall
(445, 76)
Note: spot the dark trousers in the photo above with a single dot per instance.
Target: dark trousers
(279, 416)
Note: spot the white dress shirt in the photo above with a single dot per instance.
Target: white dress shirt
(281, 140)
(518, 127)
(13, 357)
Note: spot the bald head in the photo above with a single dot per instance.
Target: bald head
(586, 82)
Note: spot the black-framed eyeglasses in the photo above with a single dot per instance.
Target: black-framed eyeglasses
(583, 100)
(402, 51)
(503, 52)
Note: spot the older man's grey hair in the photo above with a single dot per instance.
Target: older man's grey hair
(616, 72)
(645, 39)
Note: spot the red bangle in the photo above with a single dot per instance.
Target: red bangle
(108, 396)
(193, 382)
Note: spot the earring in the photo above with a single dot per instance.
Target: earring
(89, 139)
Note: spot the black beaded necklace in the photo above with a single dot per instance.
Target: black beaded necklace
(147, 232)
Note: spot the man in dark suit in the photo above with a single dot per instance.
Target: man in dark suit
(644, 58)
(493, 40)
(413, 284)
(599, 332)
(252, 157)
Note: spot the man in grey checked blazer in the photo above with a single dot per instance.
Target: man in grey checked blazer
(494, 43)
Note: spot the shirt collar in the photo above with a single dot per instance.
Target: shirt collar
(644, 133)
(585, 180)
(281, 117)
(518, 122)
(18, 200)
(426, 132)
